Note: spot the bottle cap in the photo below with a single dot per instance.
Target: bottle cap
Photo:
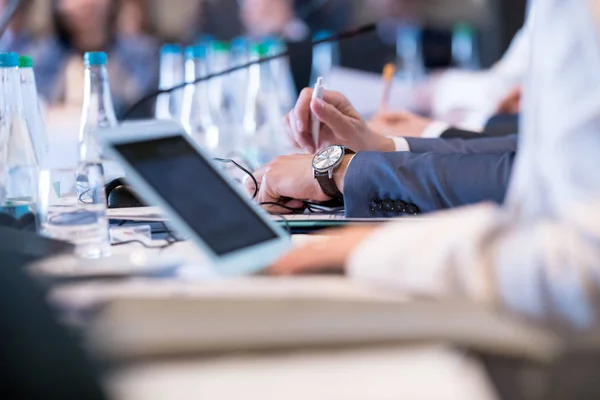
(206, 39)
(322, 35)
(171, 48)
(219, 46)
(94, 58)
(195, 52)
(9, 60)
(464, 28)
(260, 50)
(25, 62)
(240, 44)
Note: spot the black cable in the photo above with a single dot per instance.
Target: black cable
(273, 203)
(238, 154)
(334, 38)
(310, 206)
(250, 174)
(159, 247)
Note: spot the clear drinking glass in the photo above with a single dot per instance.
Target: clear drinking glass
(72, 208)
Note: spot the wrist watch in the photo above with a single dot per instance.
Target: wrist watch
(324, 163)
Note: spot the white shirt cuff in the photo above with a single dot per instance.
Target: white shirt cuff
(400, 143)
(435, 129)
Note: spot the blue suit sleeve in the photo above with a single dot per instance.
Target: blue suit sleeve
(385, 185)
(501, 144)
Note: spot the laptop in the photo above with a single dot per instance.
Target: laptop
(169, 170)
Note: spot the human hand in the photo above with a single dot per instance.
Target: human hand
(289, 181)
(511, 104)
(399, 123)
(266, 17)
(341, 124)
(328, 254)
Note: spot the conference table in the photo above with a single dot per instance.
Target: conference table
(377, 369)
(429, 369)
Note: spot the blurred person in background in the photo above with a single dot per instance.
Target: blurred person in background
(16, 38)
(294, 20)
(372, 51)
(133, 18)
(91, 25)
(468, 99)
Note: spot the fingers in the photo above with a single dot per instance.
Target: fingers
(330, 116)
(300, 117)
(307, 259)
(282, 207)
(329, 252)
(300, 121)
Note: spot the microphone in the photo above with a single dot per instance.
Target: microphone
(11, 10)
(333, 38)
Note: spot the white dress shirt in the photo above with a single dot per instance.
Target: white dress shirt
(539, 254)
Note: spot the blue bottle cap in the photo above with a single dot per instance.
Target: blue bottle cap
(9, 60)
(240, 43)
(206, 39)
(195, 52)
(322, 35)
(171, 48)
(94, 58)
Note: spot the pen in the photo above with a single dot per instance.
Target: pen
(388, 77)
(316, 124)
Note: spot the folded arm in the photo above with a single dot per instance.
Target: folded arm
(479, 253)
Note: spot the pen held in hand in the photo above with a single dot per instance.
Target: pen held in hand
(315, 123)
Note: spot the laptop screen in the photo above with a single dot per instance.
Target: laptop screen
(194, 190)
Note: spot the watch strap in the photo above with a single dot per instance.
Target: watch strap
(328, 185)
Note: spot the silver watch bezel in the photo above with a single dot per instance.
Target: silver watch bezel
(332, 167)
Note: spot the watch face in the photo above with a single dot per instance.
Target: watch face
(328, 158)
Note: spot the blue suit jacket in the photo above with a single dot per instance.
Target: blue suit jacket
(436, 174)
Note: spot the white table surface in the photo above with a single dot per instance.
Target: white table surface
(378, 373)
(393, 372)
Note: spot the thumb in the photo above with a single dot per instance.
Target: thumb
(330, 116)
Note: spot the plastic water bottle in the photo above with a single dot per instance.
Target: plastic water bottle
(18, 163)
(94, 168)
(325, 57)
(98, 112)
(221, 97)
(238, 81)
(464, 47)
(282, 73)
(409, 54)
(218, 61)
(168, 105)
(31, 104)
(195, 114)
(263, 114)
